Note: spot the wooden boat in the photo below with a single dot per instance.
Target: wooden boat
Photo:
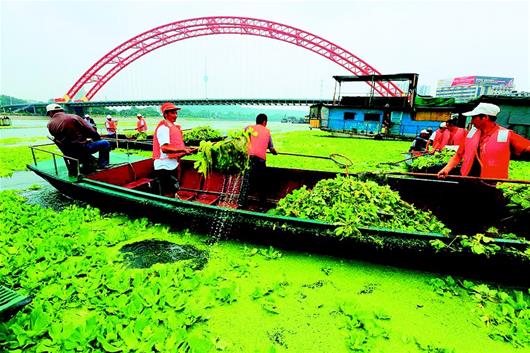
(212, 206)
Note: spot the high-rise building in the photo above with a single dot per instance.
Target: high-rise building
(424, 90)
(466, 88)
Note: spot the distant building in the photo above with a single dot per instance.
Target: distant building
(424, 90)
(466, 88)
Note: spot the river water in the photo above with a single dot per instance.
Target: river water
(36, 127)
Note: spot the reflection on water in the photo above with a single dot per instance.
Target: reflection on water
(21, 180)
(49, 197)
(36, 190)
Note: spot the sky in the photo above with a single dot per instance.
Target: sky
(47, 45)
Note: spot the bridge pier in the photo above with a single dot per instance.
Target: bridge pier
(77, 110)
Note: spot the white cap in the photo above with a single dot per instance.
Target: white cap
(138, 115)
(443, 125)
(484, 108)
(109, 117)
(87, 116)
(424, 131)
(53, 107)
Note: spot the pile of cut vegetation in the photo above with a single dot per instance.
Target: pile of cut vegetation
(201, 133)
(228, 156)
(351, 203)
(430, 163)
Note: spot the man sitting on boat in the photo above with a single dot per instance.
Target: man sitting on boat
(76, 138)
(168, 148)
(487, 147)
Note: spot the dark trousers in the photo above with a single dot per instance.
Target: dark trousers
(101, 146)
(168, 181)
(258, 178)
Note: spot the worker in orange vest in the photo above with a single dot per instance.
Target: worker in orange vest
(487, 147)
(141, 124)
(168, 148)
(457, 135)
(438, 139)
(260, 141)
(111, 126)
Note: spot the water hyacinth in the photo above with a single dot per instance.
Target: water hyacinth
(201, 133)
(228, 156)
(354, 203)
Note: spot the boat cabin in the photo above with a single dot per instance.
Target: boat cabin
(373, 115)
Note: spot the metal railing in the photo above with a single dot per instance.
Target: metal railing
(54, 155)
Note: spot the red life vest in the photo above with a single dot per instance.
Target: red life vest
(494, 153)
(175, 140)
(110, 125)
(259, 141)
(457, 137)
(141, 125)
(440, 139)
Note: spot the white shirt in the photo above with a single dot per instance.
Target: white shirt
(433, 136)
(162, 135)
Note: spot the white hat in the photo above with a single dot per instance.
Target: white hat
(484, 108)
(443, 125)
(138, 115)
(53, 107)
(87, 116)
(109, 117)
(424, 131)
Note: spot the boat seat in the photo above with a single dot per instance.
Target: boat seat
(142, 183)
(190, 182)
(213, 185)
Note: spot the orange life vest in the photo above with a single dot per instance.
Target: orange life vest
(440, 139)
(141, 125)
(494, 153)
(175, 140)
(110, 125)
(259, 141)
(457, 137)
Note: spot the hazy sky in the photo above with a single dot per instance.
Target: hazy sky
(47, 45)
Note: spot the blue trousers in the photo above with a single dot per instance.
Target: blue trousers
(101, 146)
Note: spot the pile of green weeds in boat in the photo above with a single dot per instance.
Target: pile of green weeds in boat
(351, 203)
(228, 156)
(201, 133)
(430, 162)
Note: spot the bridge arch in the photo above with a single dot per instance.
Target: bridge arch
(127, 52)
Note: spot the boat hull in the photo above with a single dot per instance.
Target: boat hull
(411, 250)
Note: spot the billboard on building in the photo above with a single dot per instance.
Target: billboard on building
(482, 81)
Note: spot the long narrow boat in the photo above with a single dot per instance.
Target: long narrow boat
(211, 205)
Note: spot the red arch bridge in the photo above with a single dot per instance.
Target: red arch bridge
(127, 52)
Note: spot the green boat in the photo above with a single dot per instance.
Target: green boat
(212, 206)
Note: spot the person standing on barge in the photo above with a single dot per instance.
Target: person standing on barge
(168, 148)
(488, 147)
